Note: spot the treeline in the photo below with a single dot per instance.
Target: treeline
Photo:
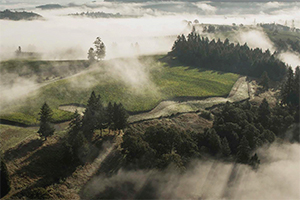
(101, 15)
(288, 44)
(7, 14)
(238, 130)
(225, 56)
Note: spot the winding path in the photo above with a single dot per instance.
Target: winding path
(239, 92)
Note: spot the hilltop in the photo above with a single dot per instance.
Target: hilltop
(16, 16)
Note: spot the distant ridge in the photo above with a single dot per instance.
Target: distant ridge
(9, 15)
(50, 6)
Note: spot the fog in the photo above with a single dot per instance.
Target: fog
(276, 178)
(59, 36)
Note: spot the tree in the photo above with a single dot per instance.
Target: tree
(110, 116)
(99, 49)
(5, 180)
(264, 113)
(214, 143)
(120, 117)
(254, 161)
(287, 88)
(46, 128)
(91, 119)
(225, 147)
(91, 55)
(265, 81)
(243, 154)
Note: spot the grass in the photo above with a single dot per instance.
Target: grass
(166, 81)
(12, 135)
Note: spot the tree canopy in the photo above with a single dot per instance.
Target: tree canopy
(225, 56)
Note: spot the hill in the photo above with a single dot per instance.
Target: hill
(50, 6)
(139, 84)
(9, 15)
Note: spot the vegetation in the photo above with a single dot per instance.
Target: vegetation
(224, 56)
(5, 179)
(7, 14)
(11, 136)
(101, 15)
(170, 79)
(46, 128)
(98, 53)
(82, 129)
(49, 6)
(290, 92)
(238, 130)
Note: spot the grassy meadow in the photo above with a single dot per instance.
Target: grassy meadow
(138, 84)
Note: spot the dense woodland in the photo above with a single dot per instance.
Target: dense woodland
(7, 14)
(228, 57)
(287, 45)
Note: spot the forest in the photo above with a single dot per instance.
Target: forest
(227, 57)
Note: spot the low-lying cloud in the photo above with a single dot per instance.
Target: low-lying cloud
(60, 36)
(276, 178)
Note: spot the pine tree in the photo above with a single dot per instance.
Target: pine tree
(287, 87)
(100, 49)
(265, 81)
(264, 113)
(109, 115)
(89, 121)
(243, 154)
(46, 128)
(120, 117)
(225, 147)
(254, 161)
(74, 126)
(91, 55)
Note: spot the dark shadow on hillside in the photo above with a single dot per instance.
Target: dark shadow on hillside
(53, 163)
(22, 149)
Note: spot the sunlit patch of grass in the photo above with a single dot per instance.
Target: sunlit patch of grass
(167, 82)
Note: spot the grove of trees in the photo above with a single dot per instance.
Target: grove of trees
(82, 128)
(228, 57)
(99, 52)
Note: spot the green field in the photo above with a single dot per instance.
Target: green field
(138, 88)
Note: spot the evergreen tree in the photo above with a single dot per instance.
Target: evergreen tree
(225, 147)
(100, 49)
(89, 121)
(287, 88)
(243, 154)
(5, 180)
(265, 81)
(110, 116)
(91, 55)
(254, 161)
(75, 125)
(120, 117)
(264, 113)
(46, 128)
(214, 143)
